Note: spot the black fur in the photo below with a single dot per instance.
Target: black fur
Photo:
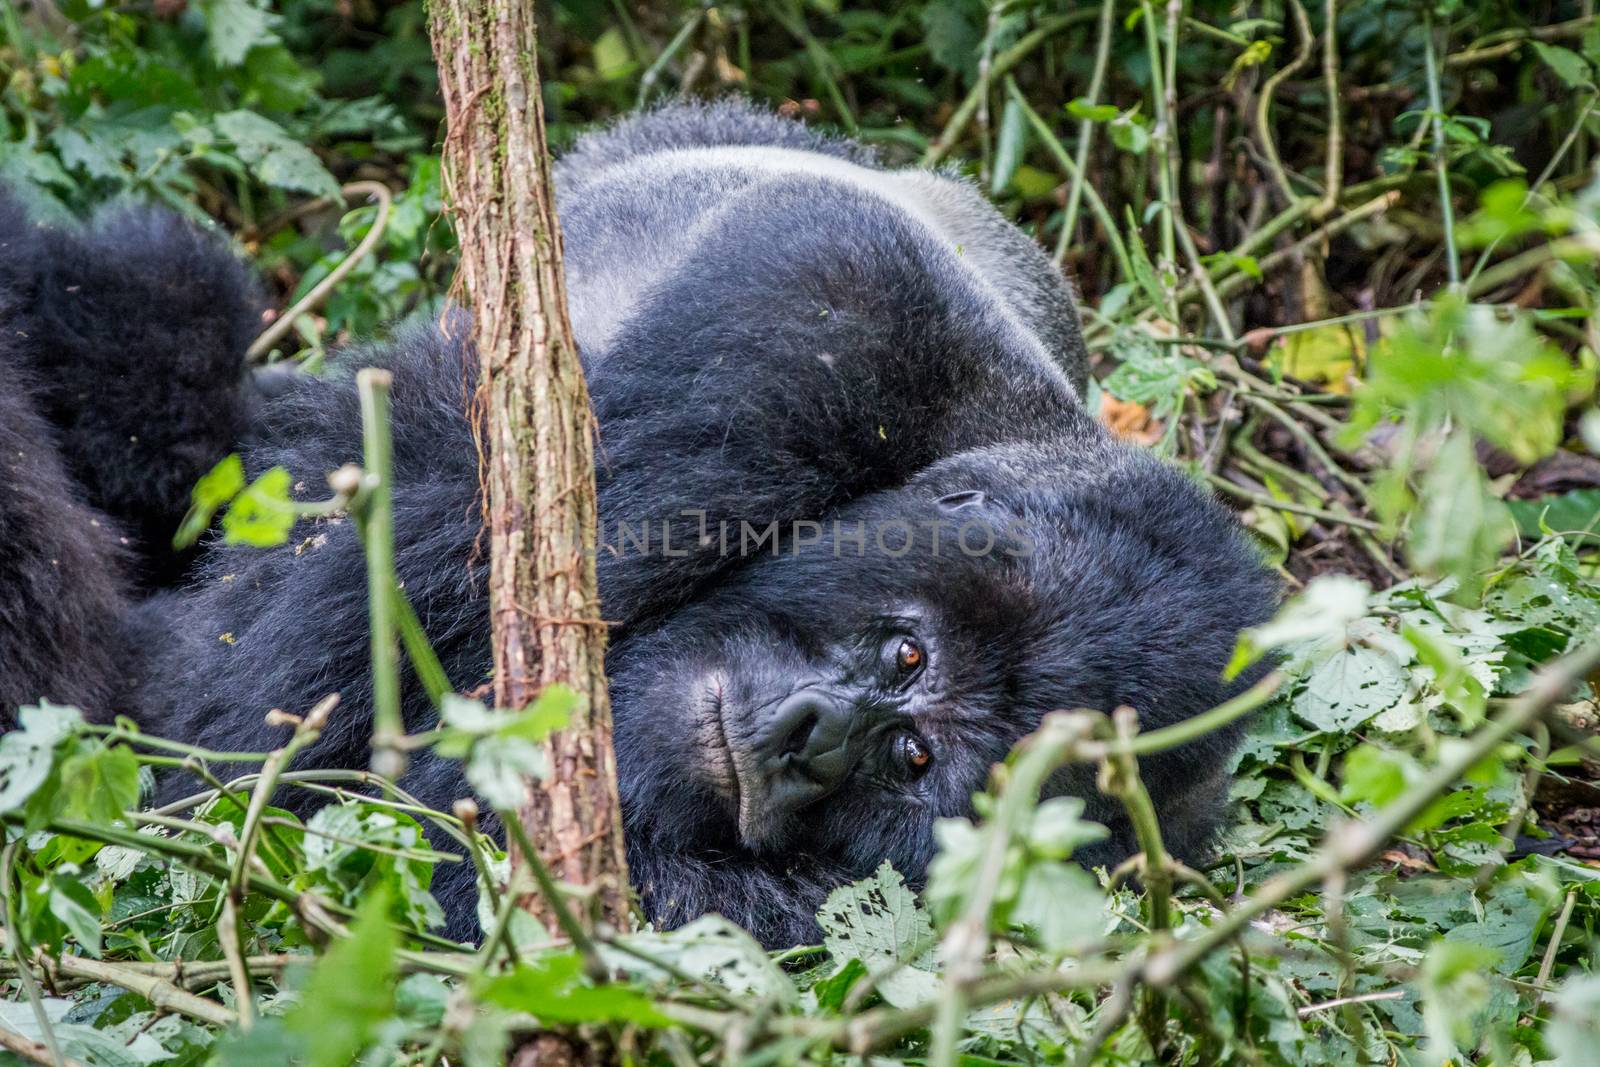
(133, 328)
(762, 345)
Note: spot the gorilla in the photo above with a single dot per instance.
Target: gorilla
(859, 531)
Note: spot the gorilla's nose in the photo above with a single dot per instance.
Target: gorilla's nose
(808, 753)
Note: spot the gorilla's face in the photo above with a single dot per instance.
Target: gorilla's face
(829, 704)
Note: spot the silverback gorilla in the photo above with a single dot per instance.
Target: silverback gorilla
(861, 533)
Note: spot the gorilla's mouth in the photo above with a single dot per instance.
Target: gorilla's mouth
(733, 773)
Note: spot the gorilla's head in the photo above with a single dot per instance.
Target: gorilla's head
(826, 705)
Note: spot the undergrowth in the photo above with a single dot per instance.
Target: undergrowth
(1346, 278)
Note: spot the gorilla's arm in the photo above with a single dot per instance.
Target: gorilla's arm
(778, 901)
(133, 328)
(60, 588)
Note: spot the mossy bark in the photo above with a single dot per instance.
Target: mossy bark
(535, 434)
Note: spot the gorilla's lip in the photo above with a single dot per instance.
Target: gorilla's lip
(725, 773)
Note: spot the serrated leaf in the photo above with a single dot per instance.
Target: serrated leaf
(276, 158)
(1460, 526)
(234, 27)
(879, 922)
(1317, 618)
(1061, 904)
(952, 35)
(26, 754)
(497, 770)
(1348, 688)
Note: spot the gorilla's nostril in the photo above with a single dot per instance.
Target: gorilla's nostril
(807, 739)
(795, 743)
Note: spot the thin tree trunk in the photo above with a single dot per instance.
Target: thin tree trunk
(536, 432)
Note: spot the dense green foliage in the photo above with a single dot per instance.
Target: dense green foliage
(1352, 287)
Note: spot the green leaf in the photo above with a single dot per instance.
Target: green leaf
(263, 514)
(879, 922)
(1350, 687)
(1460, 526)
(1010, 147)
(497, 770)
(1081, 108)
(1058, 828)
(1316, 619)
(73, 904)
(336, 855)
(953, 35)
(831, 991)
(277, 158)
(234, 27)
(1569, 512)
(1061, 904)
(27, 754)
(1573, 70)
(551, 711)
(612, 60)
(553, 990)
(710, 948)
(1375, 775)
(350, 993)
(217, 487)
(99, 784)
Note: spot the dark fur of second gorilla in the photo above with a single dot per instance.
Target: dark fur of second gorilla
(120, 364)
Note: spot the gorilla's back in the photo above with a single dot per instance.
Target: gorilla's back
(659, 196)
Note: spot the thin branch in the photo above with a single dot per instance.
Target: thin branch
(319, 292)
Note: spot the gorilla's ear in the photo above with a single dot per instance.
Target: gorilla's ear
(972, 498)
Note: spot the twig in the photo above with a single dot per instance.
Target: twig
(1119, 777)
(34, 1051)
(1086, 129)
(967, 941)
(1363, 998)
(377, 534)
(1162, 139)
(1547, 965)
(1333, 178)
(1441, 163)
(1352, 843)
(1235, 282)
(30, 984)
(319, 292)
(1003, 62)
(1096, 204)
(1170, 737)
(594, 964)
(1263, 500)
(155, 988)
(1502, 43)
(648, 80)
(1269, 144)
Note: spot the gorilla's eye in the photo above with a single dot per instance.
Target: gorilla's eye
(912, 754)
(908, 656)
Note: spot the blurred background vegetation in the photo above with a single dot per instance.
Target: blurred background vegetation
(1338, 258)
